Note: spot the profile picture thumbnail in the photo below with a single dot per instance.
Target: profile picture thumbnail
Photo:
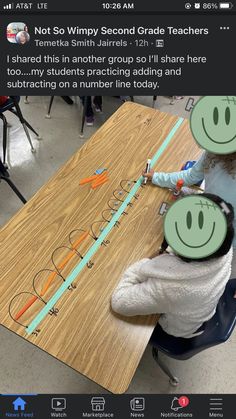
(17, 33)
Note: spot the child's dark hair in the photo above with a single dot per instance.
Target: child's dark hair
(228, 162)
(227, 243)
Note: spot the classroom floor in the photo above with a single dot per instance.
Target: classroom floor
(25, 368)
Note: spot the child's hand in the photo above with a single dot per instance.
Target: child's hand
(148, 175)
(235, 295)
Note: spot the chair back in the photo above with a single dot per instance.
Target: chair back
(216, 330)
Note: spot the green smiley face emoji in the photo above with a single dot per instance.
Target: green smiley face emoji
(213, 123)
(195, 227)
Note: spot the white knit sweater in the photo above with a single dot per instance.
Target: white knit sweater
(186, 293)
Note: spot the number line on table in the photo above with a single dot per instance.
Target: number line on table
(93, 249)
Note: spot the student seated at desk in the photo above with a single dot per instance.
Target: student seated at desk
(219, 172)
(185, 291)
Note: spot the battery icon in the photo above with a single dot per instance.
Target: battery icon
(225, 6)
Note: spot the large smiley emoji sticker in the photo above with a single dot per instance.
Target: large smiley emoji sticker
(195, 227)
(213, 124)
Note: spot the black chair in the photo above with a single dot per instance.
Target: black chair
(12, 105)
(4, 175)
(216, 331)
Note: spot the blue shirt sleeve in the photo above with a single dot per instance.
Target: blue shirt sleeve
(191, 176)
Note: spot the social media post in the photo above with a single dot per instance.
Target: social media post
(117, 169)
(160, 155)
(163, 54)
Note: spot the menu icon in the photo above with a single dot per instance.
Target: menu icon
(216, 404)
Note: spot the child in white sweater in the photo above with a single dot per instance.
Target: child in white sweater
(219, 172)
(185, 292)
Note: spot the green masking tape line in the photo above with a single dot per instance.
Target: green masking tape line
(73, 275)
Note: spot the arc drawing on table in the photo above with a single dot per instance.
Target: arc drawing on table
(116, 208)
(72, 242)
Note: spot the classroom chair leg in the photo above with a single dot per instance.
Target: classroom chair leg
(23, 120)
(68, 100)
(4, 139)
(31, 128)
(83, 116)
(154, 98)
(48, 116)
(14, 188)
(172, 379)
(28, 137)
(25, 124)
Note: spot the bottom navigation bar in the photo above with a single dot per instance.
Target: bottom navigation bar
(128, 406)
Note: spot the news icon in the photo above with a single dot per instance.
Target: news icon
(137, 404)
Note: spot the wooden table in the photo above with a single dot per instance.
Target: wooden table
(85, 334)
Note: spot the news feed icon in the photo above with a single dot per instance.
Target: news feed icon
(17, 33)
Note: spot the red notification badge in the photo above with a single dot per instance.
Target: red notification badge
(183, 401)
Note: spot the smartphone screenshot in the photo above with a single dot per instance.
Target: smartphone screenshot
(117, 209)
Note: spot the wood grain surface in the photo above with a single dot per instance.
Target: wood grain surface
(85, 334)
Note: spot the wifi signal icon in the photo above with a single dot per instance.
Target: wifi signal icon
(9, 6)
